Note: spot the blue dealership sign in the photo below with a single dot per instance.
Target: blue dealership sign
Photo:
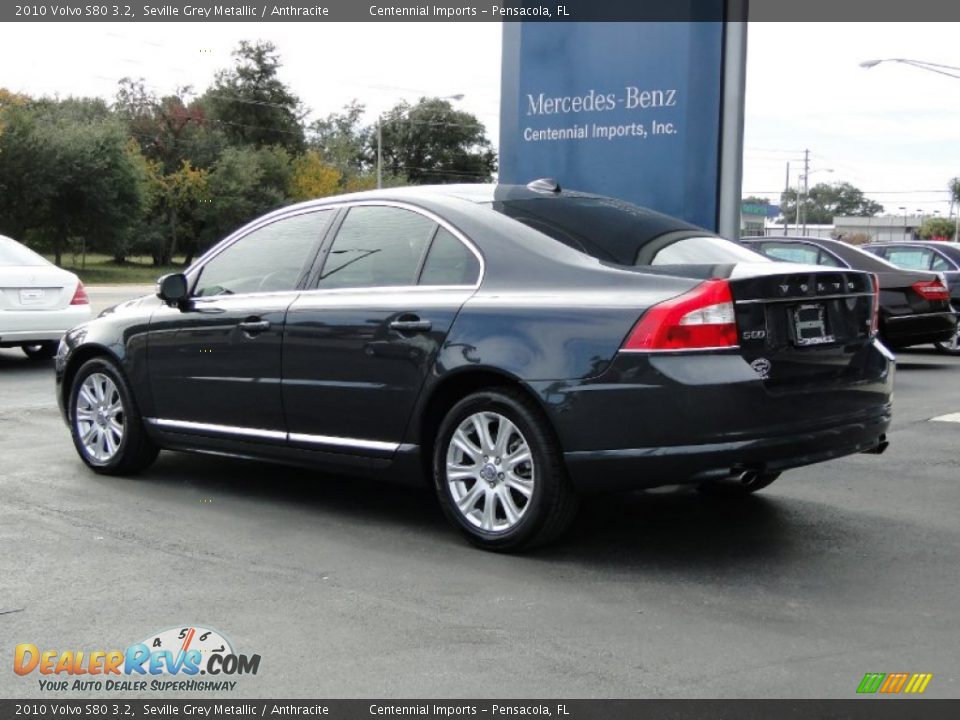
(632, 110)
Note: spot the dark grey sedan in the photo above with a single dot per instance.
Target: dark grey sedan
(513, 346)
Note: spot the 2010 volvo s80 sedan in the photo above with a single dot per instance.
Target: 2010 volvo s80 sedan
(501, 342)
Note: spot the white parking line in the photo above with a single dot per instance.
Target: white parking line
(952, 417)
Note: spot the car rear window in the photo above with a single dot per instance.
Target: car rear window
(14, 254)
(613, 230)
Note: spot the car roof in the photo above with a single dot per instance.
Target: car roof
(851, 254)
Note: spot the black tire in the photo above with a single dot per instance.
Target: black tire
(735, 486)
(40, 351)
(135, 451)
(951, 347)
(551, 506)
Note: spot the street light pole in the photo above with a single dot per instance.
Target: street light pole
(457, 96)
(380, 152)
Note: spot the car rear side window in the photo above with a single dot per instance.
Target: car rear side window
(449, 262)
(377, 247)
(792, 253)
(269, 259)
(910, 258)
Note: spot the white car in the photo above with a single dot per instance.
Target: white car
(39, 302)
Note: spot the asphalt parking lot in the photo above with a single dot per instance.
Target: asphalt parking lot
(347, 588)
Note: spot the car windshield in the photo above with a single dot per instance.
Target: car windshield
(13, 254)
(619, 232)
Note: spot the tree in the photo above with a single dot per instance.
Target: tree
(179, 145)
(430, 142)
(243, 184)
(824, 202)
(311, 177)
(341, 140)
(937, 227)
(67, 174)
(252, 105)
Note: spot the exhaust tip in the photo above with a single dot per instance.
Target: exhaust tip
(879, 448)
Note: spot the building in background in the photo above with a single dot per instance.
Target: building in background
(754, 217)
(885, 228)
(776, 228)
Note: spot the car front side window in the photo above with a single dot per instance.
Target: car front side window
(268, 259)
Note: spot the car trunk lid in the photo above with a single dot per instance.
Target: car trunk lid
(35, 288)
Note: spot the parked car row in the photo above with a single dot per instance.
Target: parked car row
(919, 283)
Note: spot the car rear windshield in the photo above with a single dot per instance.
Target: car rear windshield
(13, 254)
(617, 231)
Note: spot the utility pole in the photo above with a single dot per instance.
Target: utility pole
(786, 199)
(806, 187)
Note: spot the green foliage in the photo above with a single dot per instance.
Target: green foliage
(67, 174)
(430, 142)
(252, 105)
(165, 176)
(937, 227)
(243, 184)
(826, 201)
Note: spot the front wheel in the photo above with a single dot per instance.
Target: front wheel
(499, 472)
(105, 423)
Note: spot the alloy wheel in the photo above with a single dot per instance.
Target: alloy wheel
(490, 472)
(99, 417)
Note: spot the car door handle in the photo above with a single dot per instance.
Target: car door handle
(413, 324)
(254, 327)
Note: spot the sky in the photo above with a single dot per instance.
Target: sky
(892, 130)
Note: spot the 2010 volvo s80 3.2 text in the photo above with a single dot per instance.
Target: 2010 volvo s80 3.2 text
(515, 346)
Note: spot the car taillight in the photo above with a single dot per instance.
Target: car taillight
(931, 289)
(80, 295)
(875, 315)
(700, 318)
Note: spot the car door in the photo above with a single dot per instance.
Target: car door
(359, 344)
(215, 364)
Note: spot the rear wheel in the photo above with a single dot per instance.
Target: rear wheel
(499, 472)
(40, 351)
(105, 423)
(951, 346)
(745, 484)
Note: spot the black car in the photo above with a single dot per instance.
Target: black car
(914, 304)
(936, 256)
(473, 336)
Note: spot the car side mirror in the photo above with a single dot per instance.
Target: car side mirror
(173, 289)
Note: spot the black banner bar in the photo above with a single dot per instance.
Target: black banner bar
(872, 708)
(320, 11)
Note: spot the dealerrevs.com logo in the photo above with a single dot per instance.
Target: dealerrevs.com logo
(171, 660)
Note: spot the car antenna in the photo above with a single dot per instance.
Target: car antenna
(545, 185)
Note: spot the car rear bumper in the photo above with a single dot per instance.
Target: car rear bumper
(919, 329)
(608, 470)
(19, 327)
(654, 420)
